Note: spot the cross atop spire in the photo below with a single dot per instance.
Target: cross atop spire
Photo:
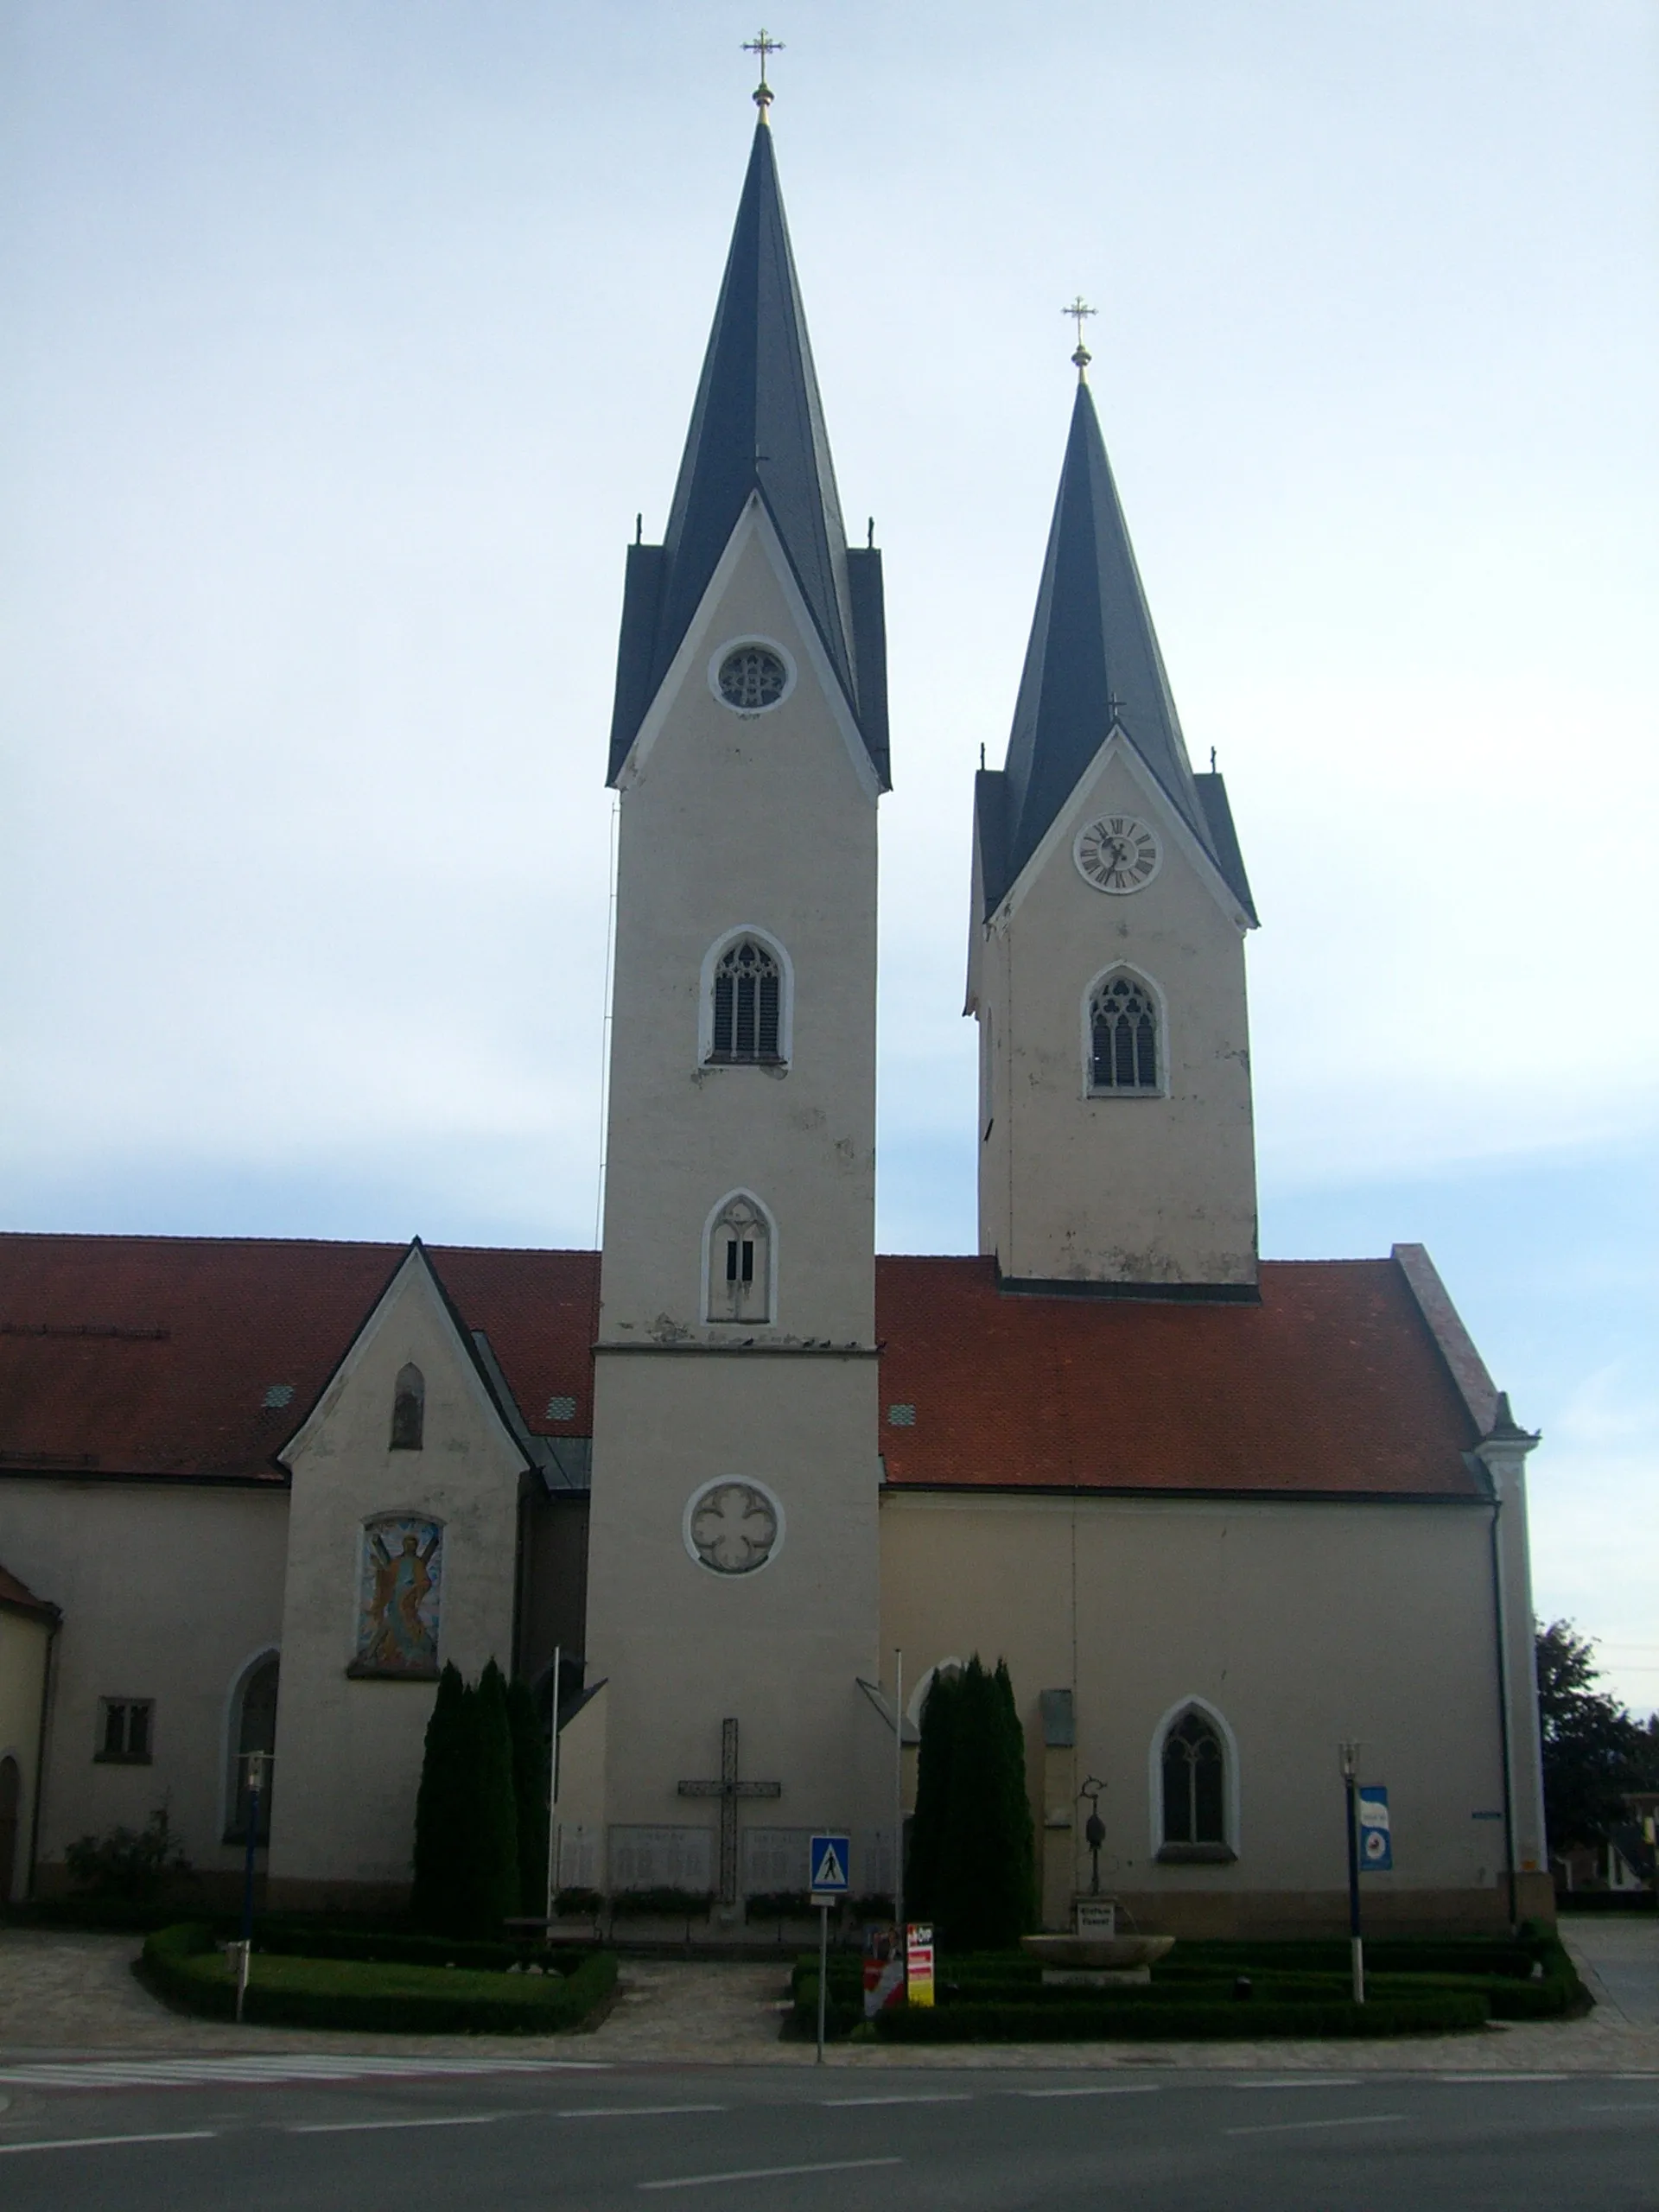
(762, 45)
(1078, 309)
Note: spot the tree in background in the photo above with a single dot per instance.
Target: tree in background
(529, 1782)
(441, 1804)
(982, 1877)
(932, 1793)
(1593, 1752)
(492, 1892)
(465, 1820)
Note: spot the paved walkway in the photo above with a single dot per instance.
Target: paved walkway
(68, 1996)
(1618, 1958)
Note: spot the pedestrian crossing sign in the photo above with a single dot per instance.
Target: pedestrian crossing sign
(830, 1858)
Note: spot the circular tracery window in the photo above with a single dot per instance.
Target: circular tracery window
(752, 677)
(733, 1526)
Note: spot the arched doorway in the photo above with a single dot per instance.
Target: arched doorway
(255, 1730)
(11, 1805)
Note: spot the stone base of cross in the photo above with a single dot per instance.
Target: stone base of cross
(729, 1791)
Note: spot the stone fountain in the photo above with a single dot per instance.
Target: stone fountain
(1095, 1956)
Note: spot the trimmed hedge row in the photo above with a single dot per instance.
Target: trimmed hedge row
(182, 1965)
(393, 1947)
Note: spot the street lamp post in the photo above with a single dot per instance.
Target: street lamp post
(244, 1950)
(1348, 1753)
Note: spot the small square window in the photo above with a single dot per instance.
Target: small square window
(125, 1731)
(901, 1416)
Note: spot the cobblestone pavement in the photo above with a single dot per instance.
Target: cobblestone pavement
(68, 1995)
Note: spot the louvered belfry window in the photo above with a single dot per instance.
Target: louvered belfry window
(1123, 1031)
(748, 995)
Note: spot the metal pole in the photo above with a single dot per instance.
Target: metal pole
(899, 1808)
(244, 1964)
(553, 1796)
(823, 1971)
(1351, 1791)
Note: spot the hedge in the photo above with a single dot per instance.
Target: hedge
(182, 1965)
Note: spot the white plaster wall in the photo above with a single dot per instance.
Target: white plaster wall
(734, 821)
(348, 1751)
(766, 822)
(780, 1649)
(167, 1590)
(1116, 1189)
(1300, 1624)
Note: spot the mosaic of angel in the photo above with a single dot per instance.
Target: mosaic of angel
(397, 1625)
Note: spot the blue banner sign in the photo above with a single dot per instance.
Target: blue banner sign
(1376, 1836)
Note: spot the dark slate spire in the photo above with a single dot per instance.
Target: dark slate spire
(1093, 661)
(757, 426)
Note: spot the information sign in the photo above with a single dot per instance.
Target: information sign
(918, 1962)
(830, 1861)
(1376, 1836)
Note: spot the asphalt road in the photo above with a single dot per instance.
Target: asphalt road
(232, 2133)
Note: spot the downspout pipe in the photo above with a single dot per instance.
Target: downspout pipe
(1500, 1632)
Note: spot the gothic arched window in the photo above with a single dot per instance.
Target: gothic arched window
(1123, 1035)
(738, 1287)
(747, 1022)
(407, 1409)
(1196, 1788)
(253, 1728)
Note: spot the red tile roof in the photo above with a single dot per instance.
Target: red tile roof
(156, 1356)
(16, 1597)
(1333, 1382)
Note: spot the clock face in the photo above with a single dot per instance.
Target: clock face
(1118, 853)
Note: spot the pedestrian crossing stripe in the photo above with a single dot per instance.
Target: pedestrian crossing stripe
(828, 1862)
(294, 2066)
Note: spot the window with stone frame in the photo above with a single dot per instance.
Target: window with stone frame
(126, 1731)
(1194, 1789)
(409, 1409)
(740, 1262)
(747, 1015)
(1124, 1041)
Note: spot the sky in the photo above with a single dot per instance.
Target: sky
(346, 338)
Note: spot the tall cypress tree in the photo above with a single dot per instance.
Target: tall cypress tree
(529, 1779)
(932, 1793)
(985, 1852)
(490, 1886)
(441, 1804)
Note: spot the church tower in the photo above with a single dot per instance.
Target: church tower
(733, 1562)
(1106, 967)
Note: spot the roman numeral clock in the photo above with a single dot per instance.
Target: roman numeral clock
(1118, 853)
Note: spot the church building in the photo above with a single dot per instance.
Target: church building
(1219, 1515)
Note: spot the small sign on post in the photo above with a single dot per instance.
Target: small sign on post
(1376, 1835)
(830, 1861)
(1096, 1917)
(918, 1962)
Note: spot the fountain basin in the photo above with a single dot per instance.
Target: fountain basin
(1095, 1961)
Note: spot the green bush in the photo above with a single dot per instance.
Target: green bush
(128, 1865)
(972, 1852)
(467, 1842)
(661, 1904)
(182, 1965)
(530, 1787)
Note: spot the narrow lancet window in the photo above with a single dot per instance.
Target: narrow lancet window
(748, 1006)
(407, 1409)
(1194, 1783)
(1123, 1035)
(740, 1262)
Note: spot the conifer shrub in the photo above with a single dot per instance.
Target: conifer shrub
(466, 1867)
(440, 1806)
(529, 1787)
(491, 1890)
(927, 1825)
(973, 1856)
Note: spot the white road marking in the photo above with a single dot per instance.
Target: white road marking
(1105, 2090)
(767, 2173)
(631, 2111)
(1619, 2108)
(1290, 2126)
(373, 2126)
(1303, 2081)
(181, 2073)
(942, 2097)
(1466, 2079)
(94, 2142)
